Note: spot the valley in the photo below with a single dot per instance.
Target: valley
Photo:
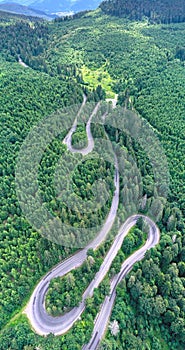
(100, 56)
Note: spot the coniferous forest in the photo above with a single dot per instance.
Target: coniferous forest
(137, 51)
(160, 11)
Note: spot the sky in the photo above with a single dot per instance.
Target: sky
(54, 6)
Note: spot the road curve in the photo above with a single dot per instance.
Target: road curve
(102, 318)
(42, 322)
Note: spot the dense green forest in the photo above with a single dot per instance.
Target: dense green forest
(25, 98)
(160, 11)
(144, 64)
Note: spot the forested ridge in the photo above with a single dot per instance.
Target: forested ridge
(160, 11)
(7, 17)
(144, 65)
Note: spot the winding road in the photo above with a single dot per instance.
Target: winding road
(42, 322)
(22, 63)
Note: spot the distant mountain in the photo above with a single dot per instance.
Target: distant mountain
(81, 5)
(54, 6)
(23, 10)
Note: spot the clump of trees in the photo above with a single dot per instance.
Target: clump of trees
(66, 292)
(180, 53)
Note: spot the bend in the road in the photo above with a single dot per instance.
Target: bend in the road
(44, 323)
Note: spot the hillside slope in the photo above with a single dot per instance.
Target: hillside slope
(165, 11)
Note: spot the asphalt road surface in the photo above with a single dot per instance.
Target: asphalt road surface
(43, 323)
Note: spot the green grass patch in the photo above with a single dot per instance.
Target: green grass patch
(95, 77)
